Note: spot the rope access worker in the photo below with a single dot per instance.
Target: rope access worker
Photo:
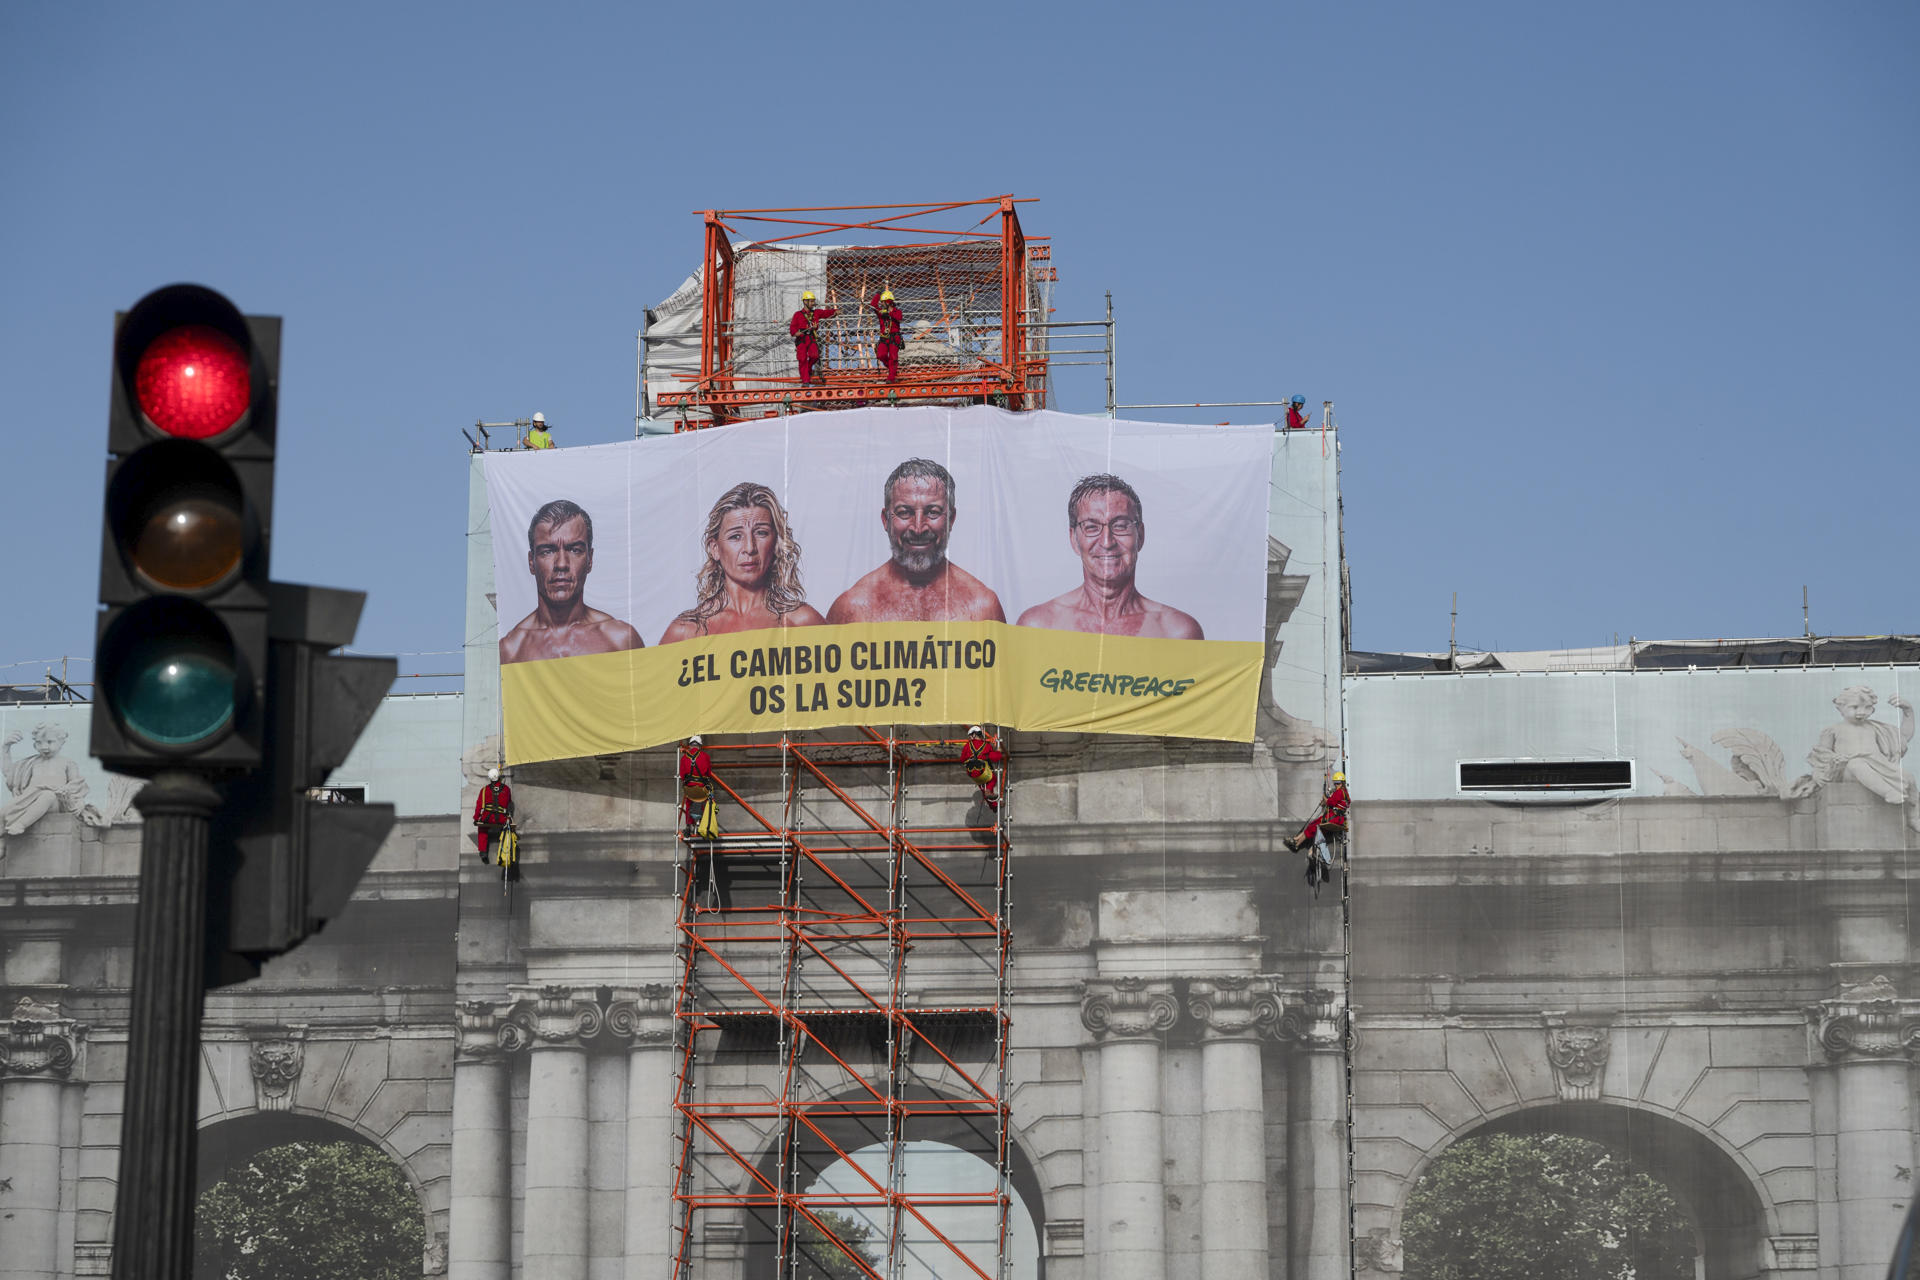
(806, 338)
(1296, 413)
(699, 814)
(492, 812)
(888, 347)
(1327, 827)
(978, 758)
(538, 437)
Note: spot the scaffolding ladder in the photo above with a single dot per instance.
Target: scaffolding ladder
(842, 996)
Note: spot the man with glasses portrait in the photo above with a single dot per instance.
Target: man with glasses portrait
(1107, 529)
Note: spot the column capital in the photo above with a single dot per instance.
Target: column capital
(487, 1030)
(557, 1014)
(35, 1041)
(1233, 1006)
(1318, 1021)
(1866, 1021)
(1128, 1008)
(642, 1016)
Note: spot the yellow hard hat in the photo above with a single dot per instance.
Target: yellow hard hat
(807, 296)
(1339, 777)
(886, 295)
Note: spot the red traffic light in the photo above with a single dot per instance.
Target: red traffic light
(193, 381)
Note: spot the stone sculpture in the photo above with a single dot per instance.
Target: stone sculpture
(1869, 751)
(42, 782)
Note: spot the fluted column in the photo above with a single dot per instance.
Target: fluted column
(1318, 1131)
(480, 1223)
(1128, 1016)
(1232, 1012)
(1867, 1034)
(646, 1022)
(555, 1241)
(38, 1050)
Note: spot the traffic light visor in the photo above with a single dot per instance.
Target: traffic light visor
(187, 363)
(174, 680)
(178, 516)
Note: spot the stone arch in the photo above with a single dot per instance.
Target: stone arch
(953, 1131)
(1719, 1191)
(230, 1139)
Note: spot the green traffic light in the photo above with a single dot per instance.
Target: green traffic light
(174, 693)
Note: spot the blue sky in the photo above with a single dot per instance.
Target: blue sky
(1617, 303)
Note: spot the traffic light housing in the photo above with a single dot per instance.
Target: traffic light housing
(180, 657)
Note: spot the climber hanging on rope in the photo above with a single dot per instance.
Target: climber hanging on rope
(492, 813)
(806, 337)
(699, 812)
(979, 758)
(888, 346)
(1328, 827)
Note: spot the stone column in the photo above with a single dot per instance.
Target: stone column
(1866, 1035)
(555, 1241)
(1319, 1135)
(1129, 1016)
(38, 1049)
(480, 1223)
(1232, 1011)
(646, 1022)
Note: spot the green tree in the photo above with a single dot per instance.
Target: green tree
(822, 1259)
(310, 1211)
(1542, 1207)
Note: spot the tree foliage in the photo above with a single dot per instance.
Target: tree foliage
(822, 1259)
(310, 1211)
(1524, 1207)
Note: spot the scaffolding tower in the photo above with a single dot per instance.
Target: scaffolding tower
(846, 939)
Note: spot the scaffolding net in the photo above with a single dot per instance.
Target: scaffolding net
(851, 933)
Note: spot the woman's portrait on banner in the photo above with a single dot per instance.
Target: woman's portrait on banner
(750, 579)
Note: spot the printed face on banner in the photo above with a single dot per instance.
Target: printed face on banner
(848, 568)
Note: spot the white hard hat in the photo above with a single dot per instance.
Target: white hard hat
(493, 775)
(974, 729)
(695, 739)
(539, 418)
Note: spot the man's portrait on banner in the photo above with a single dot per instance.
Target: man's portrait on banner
(1107, 530)
(563, 624)
(918, 583)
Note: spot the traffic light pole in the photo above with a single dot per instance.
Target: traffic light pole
(153, 1215)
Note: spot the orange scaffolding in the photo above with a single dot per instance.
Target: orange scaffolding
(975, 306)
(842, 995)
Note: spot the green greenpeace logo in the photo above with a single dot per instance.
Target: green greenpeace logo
(1061, 680)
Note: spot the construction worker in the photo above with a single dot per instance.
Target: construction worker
(1296, 413)
(492, 811)
(696, 788)
(806, 338)
(978, 758)
(538, 437)
(1327, 827)
(888, 347)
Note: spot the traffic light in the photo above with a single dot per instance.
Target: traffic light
(180, 658)
(285, 858)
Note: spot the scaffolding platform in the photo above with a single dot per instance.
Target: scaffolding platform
(844, 996)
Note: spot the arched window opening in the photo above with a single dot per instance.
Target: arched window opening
(929, 1172)
(1517, 1206)
(316, 1209)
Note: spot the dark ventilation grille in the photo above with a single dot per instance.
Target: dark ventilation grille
(1546, 775)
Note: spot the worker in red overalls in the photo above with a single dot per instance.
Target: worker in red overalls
(492, 811)
(978, 758)
(696, 783)
(1328, 827)
(888, 347)
(1297, 413)
(806, 338)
